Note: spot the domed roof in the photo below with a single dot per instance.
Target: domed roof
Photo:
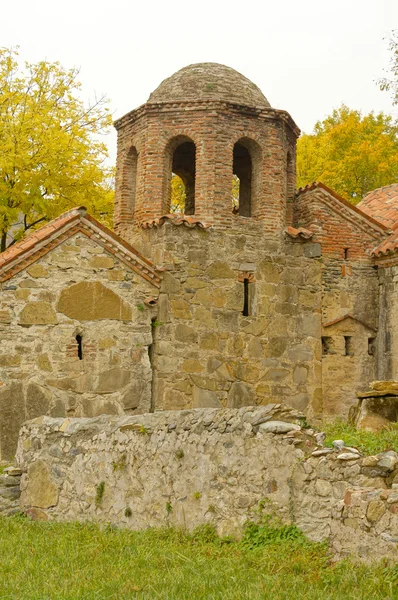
(209, 81)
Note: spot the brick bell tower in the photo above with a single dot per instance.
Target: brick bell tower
(233, 327)
(206, 123)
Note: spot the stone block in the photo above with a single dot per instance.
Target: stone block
(202, 398)
(41, 491)
(239, 395)
(220, 270)
(101, 262)
(92, 301)
(37, 313)
(37, 400)
(37, 270)
(313, 250)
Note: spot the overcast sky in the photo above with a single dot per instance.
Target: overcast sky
(307, 56)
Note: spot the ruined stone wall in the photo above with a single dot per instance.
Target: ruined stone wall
(77, 289)
(207, 352)
(218, 466)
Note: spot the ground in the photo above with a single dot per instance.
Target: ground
(43, 561)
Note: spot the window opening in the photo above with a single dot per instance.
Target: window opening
(183, 179)
(79, 347)
(245, 310)
(327, 345)
(346, 253)
(242, 171)
(130, 178)
(348, 345)
(371, 346)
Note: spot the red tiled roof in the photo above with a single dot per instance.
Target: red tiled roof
(382, 204)
(176, 219)
(371, 219)
(388, 246)
(348, 316)
(306, 234)
(22, 254)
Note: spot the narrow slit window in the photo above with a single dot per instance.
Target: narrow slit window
(346, 253)
(348, 350)
(371, 346)
(245, 310)
(79, 347)
(327, 347)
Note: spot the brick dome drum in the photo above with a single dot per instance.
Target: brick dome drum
(209, 81)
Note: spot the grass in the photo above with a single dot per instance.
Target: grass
(366, 441)
(47, 561)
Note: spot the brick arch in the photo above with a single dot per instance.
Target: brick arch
(247, 160)
(179, 157)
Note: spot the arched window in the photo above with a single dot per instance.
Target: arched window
(182, 176)
(242, 170)
(130, 181)
(246, 177)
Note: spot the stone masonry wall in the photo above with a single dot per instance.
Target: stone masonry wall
(219, 466)
(77, 289)
(207, 352)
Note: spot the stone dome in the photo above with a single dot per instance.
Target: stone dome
(209, 81)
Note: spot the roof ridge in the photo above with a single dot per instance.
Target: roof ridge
(319, 185)
(23, 253)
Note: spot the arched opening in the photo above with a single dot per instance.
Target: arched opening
(130, 180)
(242, 180)
(182, 178)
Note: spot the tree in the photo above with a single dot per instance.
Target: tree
(385, 83)
(351, 153)
(51, 155)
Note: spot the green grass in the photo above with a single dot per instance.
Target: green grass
(366, 441)
(43, 561)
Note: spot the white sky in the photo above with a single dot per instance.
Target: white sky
(307, 56)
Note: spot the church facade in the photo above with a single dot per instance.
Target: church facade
(283, 295)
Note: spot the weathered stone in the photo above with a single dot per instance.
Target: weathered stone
(43, 362)
(347, 456)
(186, 334)
(278, 427)
(5, 316)
(12, 415)
(202, 398)
(180, 309)
(112, 380)
(37, 270)
(239, 395)
(92, 301)
(41, 491)
(323, 487)
(37, 400)
(220, 270)
(102, 262)
(376, 510)
(37, 313)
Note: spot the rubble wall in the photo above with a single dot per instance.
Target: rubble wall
(218, 466)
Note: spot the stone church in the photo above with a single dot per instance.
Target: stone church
(288, 296)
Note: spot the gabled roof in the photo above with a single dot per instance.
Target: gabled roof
(22, 254)
(382, 204)
(345, 208)
(348, 316)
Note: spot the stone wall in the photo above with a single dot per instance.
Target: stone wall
(77, 289)
(219, 466)
(207, 352)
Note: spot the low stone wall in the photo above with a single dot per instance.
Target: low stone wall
(10, 491)
(186, 468)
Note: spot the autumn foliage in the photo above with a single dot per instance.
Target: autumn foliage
(51, 156)
(350, 153)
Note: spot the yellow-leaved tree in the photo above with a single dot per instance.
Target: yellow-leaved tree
(350, 153)
(51, 155)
